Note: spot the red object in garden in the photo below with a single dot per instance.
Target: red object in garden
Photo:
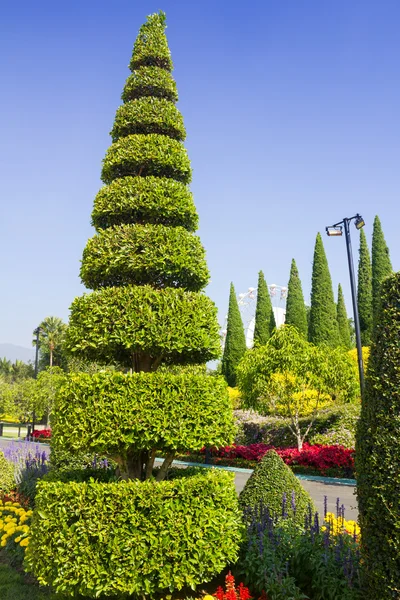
(231, 592)
(42, 433)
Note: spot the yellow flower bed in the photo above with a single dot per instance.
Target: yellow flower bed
(339, 525)
(14, 524)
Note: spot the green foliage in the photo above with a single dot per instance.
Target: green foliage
(270, 480)
(144, 155)
(296, 312)
(323, 326)
(378, 452)
(150, 81)
(235, 341)
(14, 372)
(109, 413)
(381, 265)
(364, 291)
(45, 390)
(117, 323)
(153, 200)
(148, 115)
(264, 318)
(145, 254)
(151, 46)
(343, 322)
(7, 481)
(134, 537)
(51, 342)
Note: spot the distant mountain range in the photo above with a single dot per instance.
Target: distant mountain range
(13, 353)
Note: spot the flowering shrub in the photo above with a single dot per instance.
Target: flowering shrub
(14, 528)
(318, 456)
(41, 434)
(231, 591)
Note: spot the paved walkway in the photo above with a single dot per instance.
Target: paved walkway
(316, 489)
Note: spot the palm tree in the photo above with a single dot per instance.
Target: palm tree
(51, 337)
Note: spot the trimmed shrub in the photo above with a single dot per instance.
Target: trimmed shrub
(148, 115)
(296, 312)
(145, 254)
(150, 81)
(114, 323)
(134, 537)
(235, 341)
(151, 46)
(7, 480)
(107, 413)
(378, 452)
(153, 200)
(271, 479)
(144, 155)
(264, 323)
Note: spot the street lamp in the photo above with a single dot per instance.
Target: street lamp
(37, 332)
(337, 230)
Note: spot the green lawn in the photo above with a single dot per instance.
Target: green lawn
(13, 586)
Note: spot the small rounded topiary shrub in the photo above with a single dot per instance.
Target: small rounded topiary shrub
(274, 486)
(7, 480)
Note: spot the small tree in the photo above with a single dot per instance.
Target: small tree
(323, 328)
(46, 389)
(296, 311)
(364, 291)
(381, 265)
(378, 452)
(292, 378)
(235, 341)
(51, 340)
(264, 319)
(343, 321)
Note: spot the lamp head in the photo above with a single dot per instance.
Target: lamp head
(336, 230)
(359, 222)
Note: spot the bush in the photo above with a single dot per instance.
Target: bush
(150, 81)
(114, 323)
(151, 46)
(7, 480)
(144, 155)
(148, 115)
(134, 537)
(154, 200)
(108, 412)
(145, 254)
(270, 482)
(234, 396)
(378, 452)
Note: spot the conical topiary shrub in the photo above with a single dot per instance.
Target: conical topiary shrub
(235, 341)
(141, 535)
(274, 486)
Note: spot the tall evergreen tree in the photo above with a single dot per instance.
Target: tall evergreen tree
(235, 341)
(364, 291)
(147, 270)
(323, 327)
(343, 321)
(264, 320)
(381, 265)
(296, 311)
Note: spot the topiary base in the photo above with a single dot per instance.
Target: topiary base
(132, 537)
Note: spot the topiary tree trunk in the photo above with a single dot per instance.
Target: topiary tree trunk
(147, 270)
(378, 453)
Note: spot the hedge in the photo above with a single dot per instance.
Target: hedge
(378, 452)
(140, 254)
(154, 200)
(150, 81)
(113, 323)
(148, 115)
(151, 154)
(107, 413)
(271, 482)
(151, 46)
(7, 480)
(133, 537)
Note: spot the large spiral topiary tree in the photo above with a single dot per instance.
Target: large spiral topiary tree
(141, 534)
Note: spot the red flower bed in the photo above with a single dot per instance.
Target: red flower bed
(317, 456)
(42, 433)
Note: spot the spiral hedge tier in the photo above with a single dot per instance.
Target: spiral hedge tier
(147, 268)
(145, 254)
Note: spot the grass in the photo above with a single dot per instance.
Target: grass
(14, 586)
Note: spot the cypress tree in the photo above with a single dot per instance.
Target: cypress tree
(142, 534)
(323, 327)
(364, 291)
(296, 311)
(378, 452)
(343, 321)
(235, 341)
(264, 320)
(381, 265)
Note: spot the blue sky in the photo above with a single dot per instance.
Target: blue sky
(292, 114)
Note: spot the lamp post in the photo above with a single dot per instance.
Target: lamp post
(337, 230)
(37, 333)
